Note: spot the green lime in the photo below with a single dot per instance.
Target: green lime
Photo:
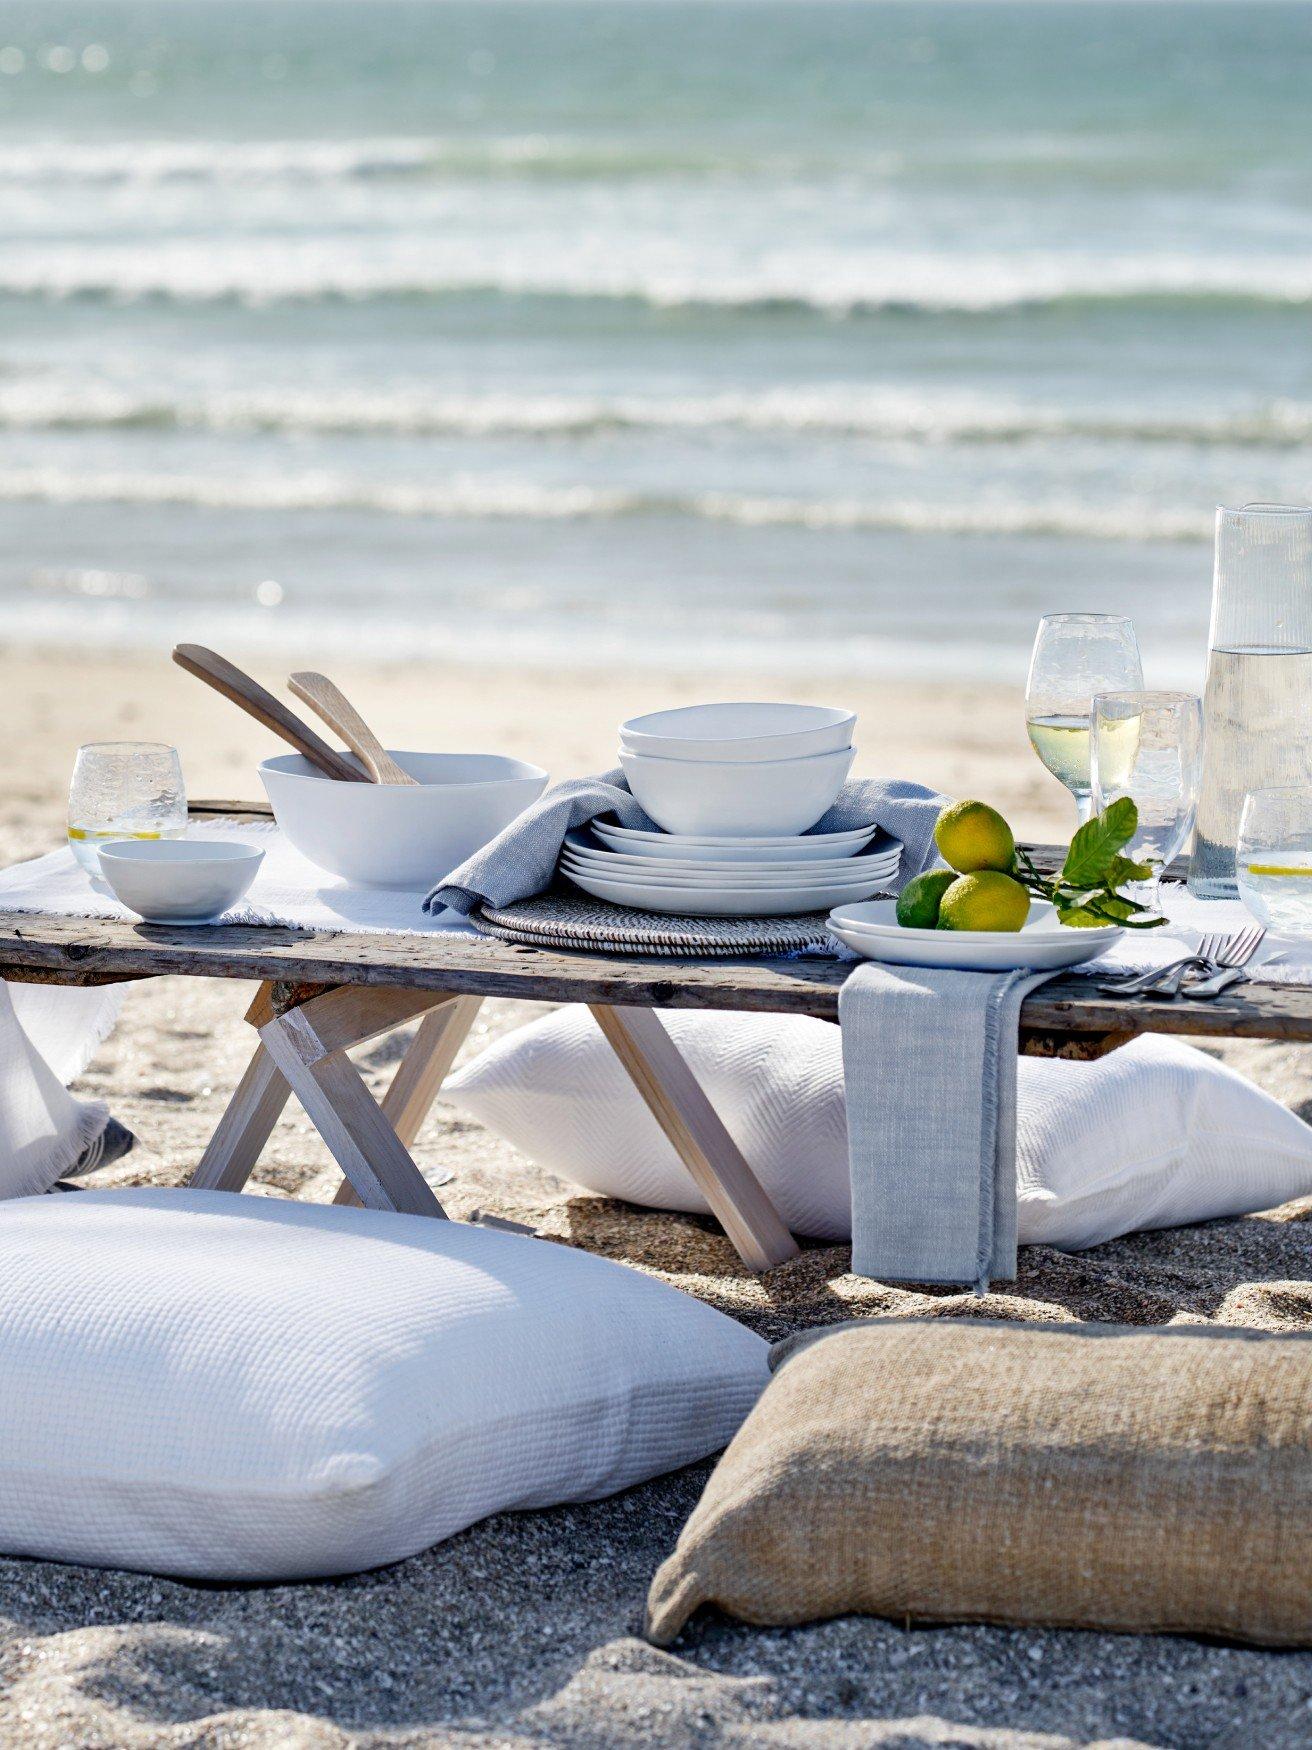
(918, 902)
(972, 836)
(987, 900)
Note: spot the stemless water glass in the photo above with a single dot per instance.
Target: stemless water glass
(124, 790)
(1273, 859)
(1148, 746)
(1076, 656)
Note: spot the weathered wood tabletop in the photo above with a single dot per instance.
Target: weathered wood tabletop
(1067, 1015)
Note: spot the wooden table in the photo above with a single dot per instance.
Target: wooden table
(320, 995)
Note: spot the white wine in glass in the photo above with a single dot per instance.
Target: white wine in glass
(1076, 656)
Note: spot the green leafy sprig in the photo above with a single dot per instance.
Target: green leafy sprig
(1086, 891)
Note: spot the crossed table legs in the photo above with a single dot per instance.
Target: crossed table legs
(306, 1032)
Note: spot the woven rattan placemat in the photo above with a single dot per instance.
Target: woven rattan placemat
(571, 920)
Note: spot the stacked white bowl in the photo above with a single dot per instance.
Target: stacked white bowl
(734, 790)
(738, 771)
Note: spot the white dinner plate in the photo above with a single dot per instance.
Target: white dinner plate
(739, 875)
(853, 887)
(711, 902)
(803, 848)
(872, 931)
(581, 847)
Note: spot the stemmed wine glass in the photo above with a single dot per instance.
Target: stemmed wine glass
(1149, 747)
(1076, 656)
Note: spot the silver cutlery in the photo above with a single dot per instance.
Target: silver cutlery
(1214, 955)
(1232, 960)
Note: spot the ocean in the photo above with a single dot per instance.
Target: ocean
(717, 333)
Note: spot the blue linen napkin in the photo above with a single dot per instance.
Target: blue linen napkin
(929, 1059)
(521, 860)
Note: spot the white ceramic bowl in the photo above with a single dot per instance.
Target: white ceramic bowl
(872, 931)
(736, 800)
(399, 835)
(178, 881)
(739, 733)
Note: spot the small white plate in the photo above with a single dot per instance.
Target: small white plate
(712, 902)
(579, 846)
(802, 848)
(872, 931)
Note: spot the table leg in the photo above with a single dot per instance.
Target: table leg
(347, 1117)
(677, 1102)
(304, 1038)
(251, 1114)
(421, 1072)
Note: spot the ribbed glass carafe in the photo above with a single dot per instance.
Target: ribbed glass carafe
(1257, 709)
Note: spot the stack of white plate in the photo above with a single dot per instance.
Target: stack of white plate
(1045, 943)
(719, 877)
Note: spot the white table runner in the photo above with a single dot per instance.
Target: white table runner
(288, 891)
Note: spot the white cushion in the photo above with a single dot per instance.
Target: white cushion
(1155, 1135)
(229, 1387)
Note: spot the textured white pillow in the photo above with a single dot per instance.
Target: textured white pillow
(233, 1387)
(1154, 1135)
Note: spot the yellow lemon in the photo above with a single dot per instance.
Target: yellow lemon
(987, 900)
(918, 902)
(971, 836)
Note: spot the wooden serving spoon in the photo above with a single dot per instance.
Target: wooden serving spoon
(226, 678)
(337, 711)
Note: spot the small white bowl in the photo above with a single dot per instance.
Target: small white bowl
(178, 881)
(734, 799)
(746, 733)
(399, 835)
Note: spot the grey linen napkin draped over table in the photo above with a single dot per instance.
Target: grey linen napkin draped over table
(929, 1055)
(929, 1062)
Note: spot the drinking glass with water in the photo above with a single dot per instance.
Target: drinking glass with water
(124, 790)
(1273, 859)
(1148, 746)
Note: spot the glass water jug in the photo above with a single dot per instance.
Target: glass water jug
(1257, 709)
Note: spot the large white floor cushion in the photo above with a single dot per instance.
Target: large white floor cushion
(1154, 1135)
(228, 1387)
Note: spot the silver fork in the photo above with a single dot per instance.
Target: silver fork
(1174, 970)
(1231, 959)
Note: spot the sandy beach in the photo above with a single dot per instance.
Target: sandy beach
(523, 1630)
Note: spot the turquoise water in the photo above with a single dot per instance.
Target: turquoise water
(816, 334)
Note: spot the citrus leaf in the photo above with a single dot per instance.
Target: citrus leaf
(1126, 869)
(1095, 846)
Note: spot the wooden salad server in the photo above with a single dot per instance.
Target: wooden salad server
(226, 678)
(337, 711)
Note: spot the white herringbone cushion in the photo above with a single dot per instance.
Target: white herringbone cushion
(228, 1387)
(1154, 1135)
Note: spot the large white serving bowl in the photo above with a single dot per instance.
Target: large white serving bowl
(815, 847)
(744, 733)
(735, 800)
(178, 881)
(872, 931)
(399, 835)
(712, 902)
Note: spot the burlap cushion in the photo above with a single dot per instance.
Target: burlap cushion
(1083, 1475)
